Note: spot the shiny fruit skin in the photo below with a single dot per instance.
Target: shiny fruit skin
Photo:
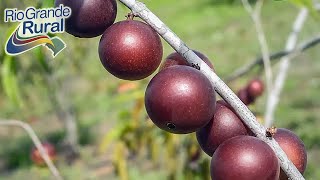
(89, 18)
(180, 100)
(255, 88)
(176, 59)
(130, 50)
(294, 149)
(224, 125)
(244, 158)
(245, 97)
(36, 157)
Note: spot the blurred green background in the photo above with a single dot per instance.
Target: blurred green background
(115, 138)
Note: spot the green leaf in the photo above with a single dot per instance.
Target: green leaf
(113, 135)
(41, 59)
(9, 80)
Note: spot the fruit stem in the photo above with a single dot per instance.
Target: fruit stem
(271, 132)
(130, 16)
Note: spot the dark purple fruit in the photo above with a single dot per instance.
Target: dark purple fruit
(180, 99)
(37, 158)
(224, 125)
(255, 88)
(176, 59)
(89, 18)
(245, 97)
(293, 147)
(244, 158)
(130, 50)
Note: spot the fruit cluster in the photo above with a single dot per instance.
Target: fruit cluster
(179, 98)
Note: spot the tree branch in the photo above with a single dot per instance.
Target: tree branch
(63, 109)
(65, 114)
(221, 88)
(273, 57)
(256, 18)
(36, 142)
(273, 98)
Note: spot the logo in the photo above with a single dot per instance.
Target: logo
(35, 25)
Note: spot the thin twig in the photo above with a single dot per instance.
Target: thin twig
(273, 57)
(273, 98)
(256, 18)
(64, 112)
(36, 142)
(221, 88)
(62, 107)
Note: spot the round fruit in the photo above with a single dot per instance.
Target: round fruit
(244, 158)
(293, 147)
(180, 99)
(130, 50)
(245, 97)
(224, 125)
(89, 18)
(36, 156)
(176, 59)
(255, 88)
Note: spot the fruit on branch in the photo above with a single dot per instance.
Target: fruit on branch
(89, 18)
(36, 156)
(180, 99)
(245, 97)
(293, 147)
(176, 59)
(130, 50)
(244, 158)
(224, 125)
(255, 88)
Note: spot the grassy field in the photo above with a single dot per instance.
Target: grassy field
(222, 31)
